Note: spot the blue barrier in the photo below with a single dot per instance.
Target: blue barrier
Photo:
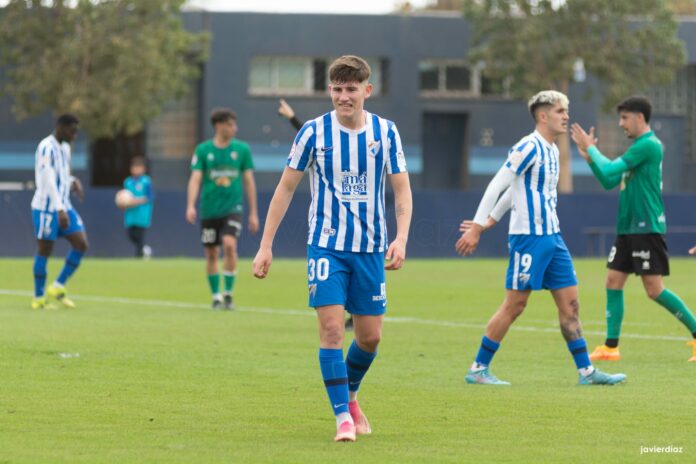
(434, 229)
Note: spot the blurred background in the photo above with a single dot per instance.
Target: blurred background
(454, 75)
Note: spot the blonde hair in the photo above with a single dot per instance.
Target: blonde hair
(546, 98)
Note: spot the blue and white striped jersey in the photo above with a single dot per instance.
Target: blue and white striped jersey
(346, 174)
(52, 175)
(534, 196)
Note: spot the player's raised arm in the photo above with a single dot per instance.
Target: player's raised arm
(396, 253)
(276, 212)
(607, 172)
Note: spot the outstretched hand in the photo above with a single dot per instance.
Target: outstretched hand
(468, 242)
(285, 110)
(582, 139)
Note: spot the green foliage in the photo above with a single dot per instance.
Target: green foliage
(161, 378)
(114, 63)
(628, 44)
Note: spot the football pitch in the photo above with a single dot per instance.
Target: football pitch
(144, 371)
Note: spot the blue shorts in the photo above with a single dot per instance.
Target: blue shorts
(46, 224)
(354, 280)
(539, 262)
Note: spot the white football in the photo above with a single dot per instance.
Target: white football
(123, 198)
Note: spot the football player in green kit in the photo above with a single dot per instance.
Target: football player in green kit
(222, 170)
(640, 246)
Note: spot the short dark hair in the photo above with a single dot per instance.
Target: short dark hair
(222, 115)
(138, 161)
(636, 104)
(67, 119)
(349, 68)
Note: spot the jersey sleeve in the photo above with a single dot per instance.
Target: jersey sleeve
(503, 206)
(247, 160)
(397, 159)
(46, 174)
(637, 154)
(303, 149)
(198, 160)
(521, 157)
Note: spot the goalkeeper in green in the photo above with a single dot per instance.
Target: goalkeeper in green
(640, 246)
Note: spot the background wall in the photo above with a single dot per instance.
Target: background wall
(434, 229)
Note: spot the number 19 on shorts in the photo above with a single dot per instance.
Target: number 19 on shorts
(318, 269)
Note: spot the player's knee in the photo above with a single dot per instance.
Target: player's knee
(515, 308)
(332, 333)
(370, 341)
(82, 246)
(653, 292)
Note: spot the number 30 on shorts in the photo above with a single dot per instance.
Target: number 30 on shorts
(318, 269)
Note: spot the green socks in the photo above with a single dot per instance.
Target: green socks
(229, 281)
(214, 282)
(676, 306)
(615, 313)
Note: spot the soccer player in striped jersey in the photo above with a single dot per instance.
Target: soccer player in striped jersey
(348, 153)
(539, 259)
(285, 110)
(640, 246)
(53, 214)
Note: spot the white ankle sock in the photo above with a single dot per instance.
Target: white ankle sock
(476, 367)
(585, 371)
(343, 417)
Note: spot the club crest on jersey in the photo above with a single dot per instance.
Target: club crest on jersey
(354, 186)
(211, 157)
(234, 156)
(373, 147)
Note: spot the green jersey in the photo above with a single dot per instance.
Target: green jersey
(222, 190)
(641, 210)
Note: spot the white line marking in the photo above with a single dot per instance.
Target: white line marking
(309, 313)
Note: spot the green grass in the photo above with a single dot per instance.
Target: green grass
(167, 383)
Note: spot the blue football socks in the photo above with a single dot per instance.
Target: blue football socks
(333, 370)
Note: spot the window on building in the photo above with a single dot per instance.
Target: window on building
(456, 78)
(275, 75)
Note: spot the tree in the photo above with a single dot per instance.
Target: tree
(114, 63)
(628, 45)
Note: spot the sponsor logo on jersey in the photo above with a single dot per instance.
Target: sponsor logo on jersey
(354, 186)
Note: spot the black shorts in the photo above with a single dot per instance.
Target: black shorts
(213, 229)
(641, 254)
